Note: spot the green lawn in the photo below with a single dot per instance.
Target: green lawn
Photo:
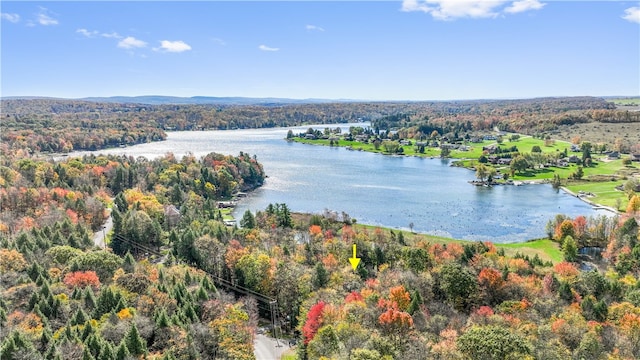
(546, 249)
(625, 101)
(605, 192)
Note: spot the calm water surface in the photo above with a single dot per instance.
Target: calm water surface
(376, 189)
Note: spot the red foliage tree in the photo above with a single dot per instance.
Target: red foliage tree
(353, 296)
(314, 320)
(82, 279)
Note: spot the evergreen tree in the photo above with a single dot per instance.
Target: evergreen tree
(248, 221)
(570, 249)
(134, 342)
(106, 351)
(129, 264)
(123, 352)
(79, 318)
(201, 295)
(162, 320)
(89, 298)
(93, 344)
(86, 354)
(416, 301)
(321, 277)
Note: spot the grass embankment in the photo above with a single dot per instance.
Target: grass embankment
(546, 249)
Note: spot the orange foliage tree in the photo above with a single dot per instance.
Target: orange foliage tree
(82, 279)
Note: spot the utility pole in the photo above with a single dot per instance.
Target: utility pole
(273, 305)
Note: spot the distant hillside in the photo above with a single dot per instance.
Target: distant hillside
(202, 100)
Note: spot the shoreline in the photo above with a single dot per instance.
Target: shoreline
(595, 205)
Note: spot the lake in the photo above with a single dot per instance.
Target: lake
(390, 191)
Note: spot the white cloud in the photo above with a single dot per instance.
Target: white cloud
(267, 48)
(524, 5)
(632, 14)
(44, 19)
(449, 9)
(452, 9)
(87, 33)
(314, 28)
(112, 35)
(219, 41)
(173, 46)
(14, 18)
(130, 42)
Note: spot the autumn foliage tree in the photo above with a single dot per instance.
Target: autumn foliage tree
(82, 279)
(313, 322)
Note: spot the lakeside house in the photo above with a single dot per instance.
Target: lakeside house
(310, 137)
(490, 149)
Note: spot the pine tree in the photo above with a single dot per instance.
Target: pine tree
(87, 331)
(86, 354)
(89, 298)
(416, 301)
(201, 295)
(321, 278)
(129, 264)
(79, 318)
(123, 352)
(162, 320)
(93, 344)
(135, 343)
(106, 351)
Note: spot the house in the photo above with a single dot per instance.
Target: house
(635, 157)
(613, 155)
(449, 146)
(491, 148)
(575, 148)
(475, 139)
(489, 137)
(404, 142)
(504, 161)
(574, 159)
(310, 137)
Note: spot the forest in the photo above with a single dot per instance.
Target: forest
(60, 126)
(167, 284)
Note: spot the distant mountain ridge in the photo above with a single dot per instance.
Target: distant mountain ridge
(236, 100)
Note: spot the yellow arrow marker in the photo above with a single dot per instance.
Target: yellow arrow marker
(354, 260)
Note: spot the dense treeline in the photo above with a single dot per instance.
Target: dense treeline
(63, 125)
(532, 116)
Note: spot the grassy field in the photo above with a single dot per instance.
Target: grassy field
(546, 249)
(626, 101)
(605, 192)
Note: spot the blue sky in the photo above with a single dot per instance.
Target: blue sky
(381, 50)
